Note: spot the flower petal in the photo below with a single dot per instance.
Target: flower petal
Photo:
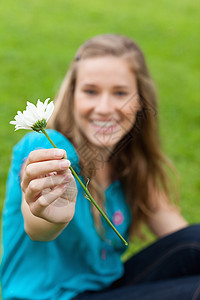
(46, 103)
(21, 127)
(40, 106)
(20, 118)
(30, 115)
(49, 110)
(28, 119)
(34, 110)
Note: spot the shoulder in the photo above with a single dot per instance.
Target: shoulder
(33, 141)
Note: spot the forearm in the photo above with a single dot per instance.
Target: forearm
(165, 221)
(37, 228)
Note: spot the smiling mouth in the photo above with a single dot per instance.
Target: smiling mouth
(105, 127)
(104, 124)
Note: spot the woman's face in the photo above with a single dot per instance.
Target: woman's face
(105, 100)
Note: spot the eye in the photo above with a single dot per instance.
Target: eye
(121, 93)
(90, 92)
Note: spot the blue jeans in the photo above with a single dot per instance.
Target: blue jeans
(169, 269)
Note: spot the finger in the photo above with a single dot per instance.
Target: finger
(42, 155)
(36, 186)
(46, 154)
(37, 169)
(38, 206)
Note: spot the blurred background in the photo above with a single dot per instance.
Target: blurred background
(38, 40)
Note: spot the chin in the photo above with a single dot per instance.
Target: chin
(103, 144)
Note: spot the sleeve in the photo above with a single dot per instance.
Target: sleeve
(12, 220)
(12, 204)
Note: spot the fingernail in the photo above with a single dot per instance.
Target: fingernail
(64, 163)
(58, 152)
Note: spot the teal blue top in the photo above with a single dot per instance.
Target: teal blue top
(78, 259)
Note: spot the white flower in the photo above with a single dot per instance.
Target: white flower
(35, 116)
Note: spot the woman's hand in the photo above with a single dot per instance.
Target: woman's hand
(49, 190)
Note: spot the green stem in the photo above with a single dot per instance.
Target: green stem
(88, 193)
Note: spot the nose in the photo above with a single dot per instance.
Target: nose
(104, 104)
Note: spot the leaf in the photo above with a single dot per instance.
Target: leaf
(85, 195)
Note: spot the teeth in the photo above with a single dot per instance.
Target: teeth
(104, 124)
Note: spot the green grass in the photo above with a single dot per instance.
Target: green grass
(39, 38)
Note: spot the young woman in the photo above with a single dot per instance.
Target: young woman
(55, 244)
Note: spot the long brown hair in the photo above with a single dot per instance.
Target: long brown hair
(142, 170)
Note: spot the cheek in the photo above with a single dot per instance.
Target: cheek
(130, 112)
(81, 109)
(79, 106)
